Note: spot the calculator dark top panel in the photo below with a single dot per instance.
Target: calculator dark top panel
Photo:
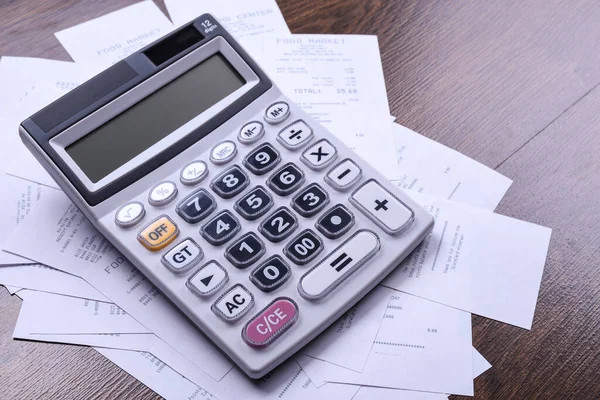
(120, 78)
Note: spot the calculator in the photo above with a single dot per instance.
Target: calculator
(254, 220)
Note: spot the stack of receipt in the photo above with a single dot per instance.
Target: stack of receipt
(410, 338)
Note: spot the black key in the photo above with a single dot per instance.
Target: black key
(310, 200)
(279, 225)
(230, 183)
(254, 204)
(286, 179)
(245, 251)
(221, 228)
(262, 159)
(335, 222)
(197, 206)
(271, 274)
(304, 247)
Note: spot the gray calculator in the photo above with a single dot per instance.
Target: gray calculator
(255, 221)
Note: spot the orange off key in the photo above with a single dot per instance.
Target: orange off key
(158, 234)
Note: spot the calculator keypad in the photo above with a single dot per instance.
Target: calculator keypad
(208, 280)
(295, 135)
(230, 183)
(254, 204)
(250, 255)
(271, 274)
(196, 207)
(310, 200)
(262, 159)
(234, 303)
(278, 225)
(286, 180)
(221, 228)
(304, 248)
(158, 234)
(162, 194)
(183, 256)
(245, 251)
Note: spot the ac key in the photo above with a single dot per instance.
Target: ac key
(234, 303)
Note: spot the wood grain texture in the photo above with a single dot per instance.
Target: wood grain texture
(512, 84)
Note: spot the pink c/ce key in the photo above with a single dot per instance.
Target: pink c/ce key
(271, 322)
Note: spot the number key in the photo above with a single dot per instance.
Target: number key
(310, 200)
(271, 274)
(230, 183)
(304, 248)
(286, 179)
(197, 206)
(254, 204)
(279, 225)
(262, 159)
(245, 251)
(221, 228)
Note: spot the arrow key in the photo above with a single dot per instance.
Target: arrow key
(208, 280)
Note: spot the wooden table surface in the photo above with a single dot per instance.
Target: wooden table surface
(512, 83)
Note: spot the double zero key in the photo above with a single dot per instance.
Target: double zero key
(304, 248)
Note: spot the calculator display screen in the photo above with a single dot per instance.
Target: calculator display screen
(108, 147)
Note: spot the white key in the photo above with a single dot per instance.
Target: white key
(162, 194)
(251, 132)
(233, 304)
(208, 279)
(183, 256)
(295, 135)
(193, 173)
(223, 152)
(319, 155)
(344, 175)
(277, 112)
(382, 207)
(129, 214)
(335, 268)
